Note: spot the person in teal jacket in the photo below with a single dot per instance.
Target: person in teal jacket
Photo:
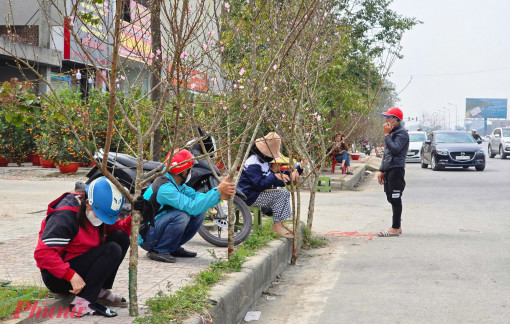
(182, 211)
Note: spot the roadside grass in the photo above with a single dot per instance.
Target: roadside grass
(10, 295)
(192, 298)
(312, 241)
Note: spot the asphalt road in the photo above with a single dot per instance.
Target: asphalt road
(449, 266)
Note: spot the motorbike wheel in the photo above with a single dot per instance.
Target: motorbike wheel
(214, 229)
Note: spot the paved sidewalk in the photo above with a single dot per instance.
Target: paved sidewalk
(24, 194)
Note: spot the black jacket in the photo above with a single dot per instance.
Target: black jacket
(395, 149)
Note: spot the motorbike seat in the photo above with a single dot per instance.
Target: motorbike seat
(131, 162)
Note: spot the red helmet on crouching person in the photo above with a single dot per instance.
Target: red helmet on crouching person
(394, 112)
(179, 157)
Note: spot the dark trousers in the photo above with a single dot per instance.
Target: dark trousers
(98, 267)
(394, 185)
(171, 231)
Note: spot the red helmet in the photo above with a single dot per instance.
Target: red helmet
(179, 157)
(394, 112)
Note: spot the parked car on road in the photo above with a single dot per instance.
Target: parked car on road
(416, 140)
(499, 143)
(452, 149)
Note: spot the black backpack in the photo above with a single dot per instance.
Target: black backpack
(151, 207)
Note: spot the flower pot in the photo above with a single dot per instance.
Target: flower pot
(71, 167)
(46, 163)
(3, 162)
(84, 164)
(35, 160)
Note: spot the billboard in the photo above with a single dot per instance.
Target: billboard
(486, 108)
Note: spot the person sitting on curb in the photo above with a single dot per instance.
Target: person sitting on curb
(340, 151)
(260, 184)
(81, 246)
(182, 211)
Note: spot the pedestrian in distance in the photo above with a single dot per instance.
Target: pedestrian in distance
(182, 209)
(81, 246)
(475, 135)
(392, 170)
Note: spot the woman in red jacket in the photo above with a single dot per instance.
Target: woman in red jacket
(81, 246)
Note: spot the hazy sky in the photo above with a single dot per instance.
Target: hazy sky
(462, 50)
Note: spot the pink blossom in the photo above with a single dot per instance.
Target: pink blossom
(164, 57)
(316, 39)
(307, 134)
(106, 11)
(224, 107)
(265, 88)
(118, 86)
(117, 80)
(184, 54)
(8, 32)
(158, 52)
(241, 87)
(213, 81)
(227, 5)
(211, 33)
(275, 67)
(105, 4)
(204, 46)
(283, 115)
(244, 106)
(71, 24)
(295, 100)
(221, 49)
(193, 86)
(242, 71)
(189, 10)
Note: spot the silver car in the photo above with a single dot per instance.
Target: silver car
(499, 143)
(416, 139)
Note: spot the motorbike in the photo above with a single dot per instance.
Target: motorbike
(214, 229)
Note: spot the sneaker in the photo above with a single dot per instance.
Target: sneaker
(161, 257)
(349, 173)
(183, 253)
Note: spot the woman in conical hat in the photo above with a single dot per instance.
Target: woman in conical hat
(261, 185)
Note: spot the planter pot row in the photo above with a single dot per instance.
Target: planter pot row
(36, 161)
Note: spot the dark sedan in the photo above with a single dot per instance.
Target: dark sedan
(452, 149)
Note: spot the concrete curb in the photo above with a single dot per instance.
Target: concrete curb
(348, 183)
(239, 292)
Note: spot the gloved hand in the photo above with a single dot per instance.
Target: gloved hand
(145, 207)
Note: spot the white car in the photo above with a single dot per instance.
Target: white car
(416, 139)
(499, 143)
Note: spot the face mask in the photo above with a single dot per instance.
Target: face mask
(93, 219)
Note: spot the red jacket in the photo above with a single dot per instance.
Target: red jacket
(61, 238)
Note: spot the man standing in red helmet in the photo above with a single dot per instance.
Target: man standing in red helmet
(392, 169)
(182, 209)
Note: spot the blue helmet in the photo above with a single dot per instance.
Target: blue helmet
(106, 200)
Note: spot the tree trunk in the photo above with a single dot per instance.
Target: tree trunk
(157, 67)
